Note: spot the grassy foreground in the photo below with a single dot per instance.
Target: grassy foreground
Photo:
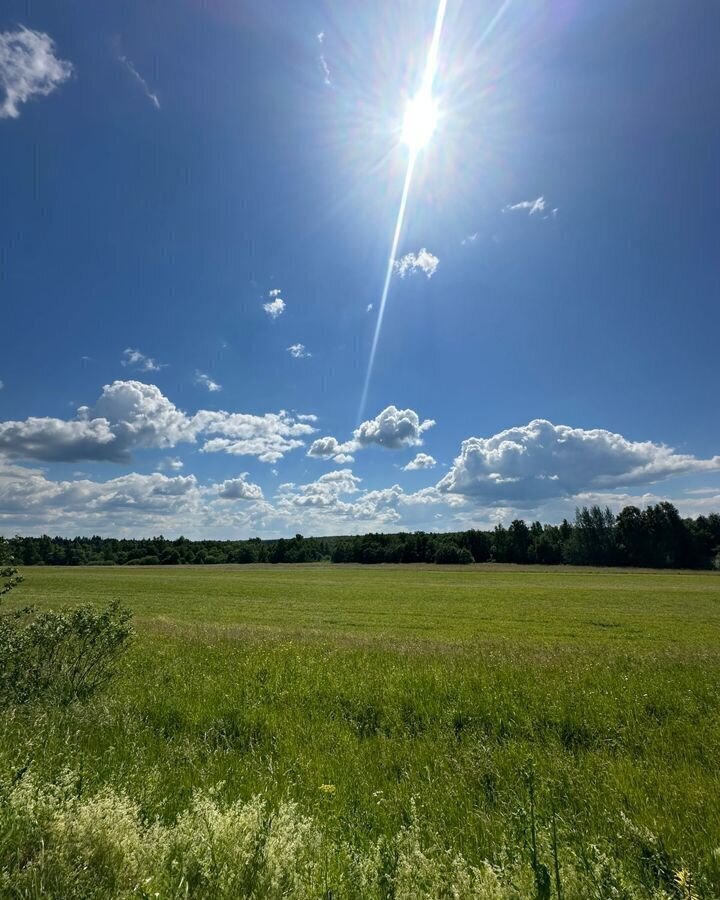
(378, 732)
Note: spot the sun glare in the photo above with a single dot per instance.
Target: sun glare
(421, 114)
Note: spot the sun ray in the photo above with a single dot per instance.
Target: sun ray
(419, 123)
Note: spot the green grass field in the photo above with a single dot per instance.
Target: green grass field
(412, 732)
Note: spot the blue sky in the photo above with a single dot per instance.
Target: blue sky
(170, 172)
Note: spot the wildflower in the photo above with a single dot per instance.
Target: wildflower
(327, 788)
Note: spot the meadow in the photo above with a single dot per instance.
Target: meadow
(391, 731)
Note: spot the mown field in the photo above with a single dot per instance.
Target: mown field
(396, 731)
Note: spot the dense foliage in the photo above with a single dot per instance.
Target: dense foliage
(655, 537)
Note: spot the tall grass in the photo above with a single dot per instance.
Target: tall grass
(225, 762)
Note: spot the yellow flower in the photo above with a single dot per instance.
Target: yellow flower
(327, 788)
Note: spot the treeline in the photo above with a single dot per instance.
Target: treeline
(656, 537)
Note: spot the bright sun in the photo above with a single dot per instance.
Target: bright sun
(421, 114)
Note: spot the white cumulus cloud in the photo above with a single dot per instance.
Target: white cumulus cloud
(239, 489)
(422, 261)
(393, 429)
(331, 448)
(28, 66)
(276, 305)
(539, 461)
(421, 461)
(131, 415)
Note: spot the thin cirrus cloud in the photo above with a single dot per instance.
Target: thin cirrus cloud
(325, 68)
(539, 461)
(393, 429)
(532, 207)
(151, 95)
(275, 306)
(28, 68)
(422, 261)
(130, 416)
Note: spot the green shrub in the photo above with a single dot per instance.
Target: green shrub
(60, 656)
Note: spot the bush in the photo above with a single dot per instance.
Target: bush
(62, 656)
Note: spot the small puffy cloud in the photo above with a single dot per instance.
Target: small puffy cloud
(331, 448)
(152, 97)
(421, 461)
(393, 429)
(206, 381)
(239, 489)
(136, 360)
(276, 305)
(172, 463)
(28, 67)
(539, 461)
(298, 351)
(422, 261)
(532, 206)
(369, 307)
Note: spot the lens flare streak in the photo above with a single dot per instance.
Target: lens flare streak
(414, 146)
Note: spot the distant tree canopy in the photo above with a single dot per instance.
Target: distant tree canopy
(655, 537)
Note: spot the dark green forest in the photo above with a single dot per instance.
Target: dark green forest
(655, 537)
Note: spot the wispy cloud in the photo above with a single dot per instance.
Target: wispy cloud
(28, 66)
(539, 205)
(206, 381)
(152, 97)
(134, 359)
(422, 261)
(470, 238)
(322, 61)
(298, 351)
(532, 206)
(276, 305)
